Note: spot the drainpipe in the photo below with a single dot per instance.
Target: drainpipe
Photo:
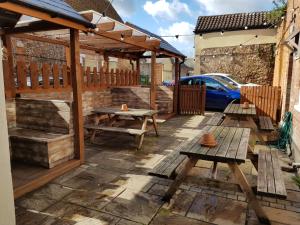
(178, 91)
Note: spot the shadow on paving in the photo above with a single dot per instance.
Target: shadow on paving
(113, 186)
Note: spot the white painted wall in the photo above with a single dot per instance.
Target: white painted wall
(7, 210)
(231, 38)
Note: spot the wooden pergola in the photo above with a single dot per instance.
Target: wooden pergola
(90, 31)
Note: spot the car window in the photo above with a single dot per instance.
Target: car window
(226, 84)
(212, 84)
(197, 81)
(187, 81)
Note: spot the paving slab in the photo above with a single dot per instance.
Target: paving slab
(218, 210)
(138, 207)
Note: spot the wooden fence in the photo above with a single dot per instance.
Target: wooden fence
(265, 98)
(192, 99)
(34, 77)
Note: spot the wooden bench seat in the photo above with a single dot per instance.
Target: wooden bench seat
(42, 148)
(135, 132)
(168, 167)
(117, 129)
(265, 123)
(270, 180)
(216, 119)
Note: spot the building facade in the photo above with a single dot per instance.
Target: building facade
(239, 44)
(287, 70)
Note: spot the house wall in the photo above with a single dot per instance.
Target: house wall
(287, 75)
(230, 39)
(249, 64)
(7, 210)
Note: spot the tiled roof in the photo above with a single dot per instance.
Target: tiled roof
(231, 22)
(96, 5)
(56, 8)
(164, 45)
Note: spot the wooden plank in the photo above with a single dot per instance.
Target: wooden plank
(55, 72)
(232, 149)
(243, 146)
(220, 141)
(88, 77)
(45, 75)
(262, 185)
(65, 76)
(95, 77)
(278, 178)
(21, 75)
(224, 147)
(34, 75)
(45, 178)
(77, 95)
(270, 174)
(116, 129)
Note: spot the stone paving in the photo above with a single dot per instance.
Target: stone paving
(113, 187)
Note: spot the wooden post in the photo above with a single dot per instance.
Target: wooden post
(77, 95)
(153, 81)
(138, 72)
(176, 88)
(9, 81)
(106, 62)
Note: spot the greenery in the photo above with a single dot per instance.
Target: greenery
(296, 179)
(279, 11)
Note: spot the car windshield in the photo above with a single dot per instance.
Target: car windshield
(236, 79)
(225, 83)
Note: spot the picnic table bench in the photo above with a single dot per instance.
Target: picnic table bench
(270, 181)
(114, 114)
(216, 119)
(265, 123)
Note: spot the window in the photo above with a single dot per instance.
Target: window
(187, 81)
(212, 85)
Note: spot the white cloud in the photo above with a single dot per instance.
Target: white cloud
(234, 6)
(125, 8)
(166, 9)
(183, 43)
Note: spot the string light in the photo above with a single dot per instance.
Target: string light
(122, 37)
(222, 32)
(246, 28)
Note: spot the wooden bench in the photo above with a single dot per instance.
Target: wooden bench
(265, 123)
(216, 119)
(270, 180)
(134, 132)
(172, 163)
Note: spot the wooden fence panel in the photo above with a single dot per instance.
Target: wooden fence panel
(34, 76)
(192, 99)
(55, 72)
(65, 76)
(265, 98)
(22, 75)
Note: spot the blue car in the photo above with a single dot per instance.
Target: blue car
(219, 93)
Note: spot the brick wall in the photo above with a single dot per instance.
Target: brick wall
(134, 97)
(251, 63)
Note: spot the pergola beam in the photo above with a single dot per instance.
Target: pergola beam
(108, 26)
(41, 15)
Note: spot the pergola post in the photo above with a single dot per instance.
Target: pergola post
(7, 212)
(9, 82)
(77, 95)
(176, 88)
(153, 81)
(138, 71)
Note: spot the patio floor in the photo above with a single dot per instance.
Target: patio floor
(113, 187)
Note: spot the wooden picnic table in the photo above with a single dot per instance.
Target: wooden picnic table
(238, 112)
(232, 149)
(114, 114)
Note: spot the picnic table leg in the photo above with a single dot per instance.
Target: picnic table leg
(96, 122)
(179, 179)
(255, 130)
(243, 183)
(155, 125)
(141, 139)
(214, 171)
(253, 157)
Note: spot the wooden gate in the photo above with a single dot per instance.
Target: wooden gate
(192, 99)
(265, 98)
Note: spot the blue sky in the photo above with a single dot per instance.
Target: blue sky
(172, 17)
